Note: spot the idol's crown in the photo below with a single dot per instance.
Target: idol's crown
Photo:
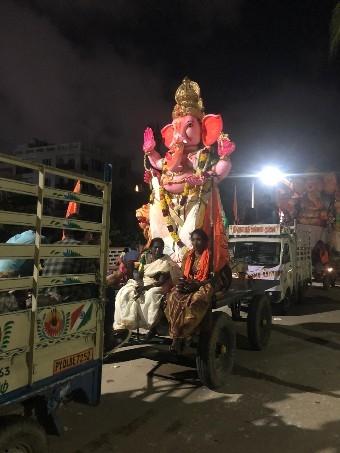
(188, 100)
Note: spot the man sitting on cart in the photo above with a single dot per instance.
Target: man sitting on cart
(189, 301)
(138, 303)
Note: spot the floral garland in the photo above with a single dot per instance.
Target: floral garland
(202, 160)
(166, 214)
(165, 199)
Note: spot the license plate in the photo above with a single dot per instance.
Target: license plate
(73, 360)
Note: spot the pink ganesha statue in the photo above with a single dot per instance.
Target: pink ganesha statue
(184, 193)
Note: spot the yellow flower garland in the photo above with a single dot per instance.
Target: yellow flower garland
(166, 201)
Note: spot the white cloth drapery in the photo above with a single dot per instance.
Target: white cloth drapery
(130, 312)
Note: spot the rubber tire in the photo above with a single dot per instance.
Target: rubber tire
(213, 374)
(300, 293)
(285, 307)
(17, 431)
(259, 310)
(326, 283)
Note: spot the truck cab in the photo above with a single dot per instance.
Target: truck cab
(271, 258)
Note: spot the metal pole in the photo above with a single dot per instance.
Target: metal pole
(212, 241)
(253, 194)
(36, 264)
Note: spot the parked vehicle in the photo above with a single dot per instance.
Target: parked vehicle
(276, 261)
(324, 265)
(51, 352)
(325, 274)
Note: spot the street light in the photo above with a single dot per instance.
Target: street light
(270, 176)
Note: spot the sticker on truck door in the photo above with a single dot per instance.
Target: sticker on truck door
(264, 273)
(71, 361)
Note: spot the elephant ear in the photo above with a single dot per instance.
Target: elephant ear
(212, 126)
(168, 134)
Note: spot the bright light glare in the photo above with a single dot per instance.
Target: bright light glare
(270, 176)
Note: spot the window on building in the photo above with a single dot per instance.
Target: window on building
(97, 165)
(71, 164)
(123, 171)
(84, 165)
(47, 161)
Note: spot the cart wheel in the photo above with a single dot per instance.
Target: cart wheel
(236, 312)
(216, 350)
(22, 435)
(259, 322)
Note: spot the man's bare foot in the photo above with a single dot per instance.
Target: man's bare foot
(177, 345)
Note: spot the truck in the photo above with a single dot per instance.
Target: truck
(273, 259)
(49, 352)
(52, 352)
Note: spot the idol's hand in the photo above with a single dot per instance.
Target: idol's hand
(225, 146)
(195, 180)
(149, 141)
(147, 176)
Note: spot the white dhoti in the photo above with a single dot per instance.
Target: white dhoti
(132, 312)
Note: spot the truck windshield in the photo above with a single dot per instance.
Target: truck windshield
(258, 253)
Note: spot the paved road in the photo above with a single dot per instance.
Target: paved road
(284, 399)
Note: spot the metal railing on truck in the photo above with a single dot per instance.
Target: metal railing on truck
(41, 344)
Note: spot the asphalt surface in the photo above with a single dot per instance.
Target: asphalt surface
(283, 399)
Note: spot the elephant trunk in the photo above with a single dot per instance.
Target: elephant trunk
(174, 156)
(178, 139)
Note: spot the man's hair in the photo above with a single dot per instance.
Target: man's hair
(160, 240)
(201, 233)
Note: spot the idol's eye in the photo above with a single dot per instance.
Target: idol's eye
(189, 124)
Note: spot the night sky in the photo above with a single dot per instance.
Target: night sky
(99, 71)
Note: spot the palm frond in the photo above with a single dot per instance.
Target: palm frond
(335, 31)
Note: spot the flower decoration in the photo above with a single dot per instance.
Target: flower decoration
(54, 323)
(225, 146)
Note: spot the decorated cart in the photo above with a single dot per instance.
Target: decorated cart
(184, 197)
(48, 352)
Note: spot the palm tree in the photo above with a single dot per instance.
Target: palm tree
(335, 30)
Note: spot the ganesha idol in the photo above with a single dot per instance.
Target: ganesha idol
(184, 191)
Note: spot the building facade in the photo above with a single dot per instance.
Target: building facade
(67, 156)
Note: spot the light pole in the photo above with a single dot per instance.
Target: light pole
(253, 194)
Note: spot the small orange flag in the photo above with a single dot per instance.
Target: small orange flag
(73, 206)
